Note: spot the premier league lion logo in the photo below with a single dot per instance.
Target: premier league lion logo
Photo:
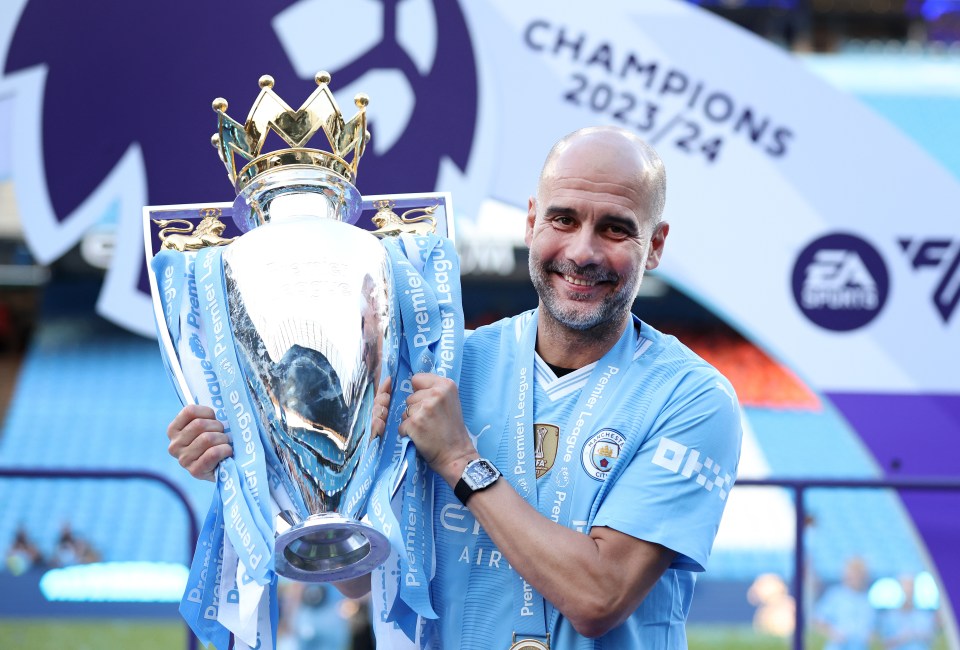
(120, 95)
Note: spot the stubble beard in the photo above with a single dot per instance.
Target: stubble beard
(605, 314)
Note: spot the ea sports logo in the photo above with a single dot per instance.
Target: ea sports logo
(840, 282)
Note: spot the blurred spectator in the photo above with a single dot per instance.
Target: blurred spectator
(72, 550)
(360, 624)
(23, 554)
(288, 603)
(776, 611)
(908, 628)
(844, 614)
(314, 617)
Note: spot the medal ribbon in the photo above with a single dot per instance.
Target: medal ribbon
(531, 611)
(587, 416)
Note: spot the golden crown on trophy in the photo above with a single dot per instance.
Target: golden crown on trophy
(347, 139)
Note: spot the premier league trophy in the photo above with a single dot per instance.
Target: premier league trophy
(284, 322)
(285, 332)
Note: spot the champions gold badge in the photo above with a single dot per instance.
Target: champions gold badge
(545, 452)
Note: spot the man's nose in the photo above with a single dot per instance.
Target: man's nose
(583, 248)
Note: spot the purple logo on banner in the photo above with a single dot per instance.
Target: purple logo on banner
(840, 282)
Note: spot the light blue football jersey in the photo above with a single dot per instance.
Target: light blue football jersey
(658, 465)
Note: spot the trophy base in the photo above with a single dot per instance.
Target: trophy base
(329, 548)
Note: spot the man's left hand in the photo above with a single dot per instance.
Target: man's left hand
(434, 422)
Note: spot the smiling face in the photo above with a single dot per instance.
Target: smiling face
(594, 228)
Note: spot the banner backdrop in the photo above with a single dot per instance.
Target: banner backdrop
(800, 217)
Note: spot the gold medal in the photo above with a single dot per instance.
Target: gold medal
(530, 644)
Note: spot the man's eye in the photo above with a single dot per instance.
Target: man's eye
(618, 232)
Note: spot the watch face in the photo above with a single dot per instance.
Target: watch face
(480, 473)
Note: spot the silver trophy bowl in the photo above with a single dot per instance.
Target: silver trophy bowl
(310, 307)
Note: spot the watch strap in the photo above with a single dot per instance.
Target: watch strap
(463, 491)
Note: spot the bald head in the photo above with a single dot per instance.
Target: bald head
(605, 151)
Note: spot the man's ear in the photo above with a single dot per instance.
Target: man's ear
(531, 219)
(657, 241)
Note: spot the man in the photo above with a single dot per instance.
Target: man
(908, 627)
(618, 446)
(844, 614)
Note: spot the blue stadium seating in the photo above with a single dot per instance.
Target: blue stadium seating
(92, 396)
(845, 522)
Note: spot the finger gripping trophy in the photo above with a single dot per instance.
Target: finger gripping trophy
(284, 331)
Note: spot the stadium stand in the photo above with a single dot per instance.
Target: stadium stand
(800, 435)
(92, 396)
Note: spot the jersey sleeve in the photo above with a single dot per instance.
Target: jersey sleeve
(674, 489)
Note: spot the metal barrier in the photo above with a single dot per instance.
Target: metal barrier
(100, 474)
(799, 486)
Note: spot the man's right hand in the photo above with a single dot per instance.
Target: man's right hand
(197, 441)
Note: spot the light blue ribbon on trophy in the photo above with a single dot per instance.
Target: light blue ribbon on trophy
(239, 510)
(427, 298)
(243, 602)
(267, 622)
(254, 625)
(531, 612)
(286, 496)
(168, 267)
(245, 492)
(228, 608)
(248, 519)
(199, 604)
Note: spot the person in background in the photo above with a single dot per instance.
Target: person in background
(844, 614)
(23, 554)
(908, 628)
(72, 549)
(67, 551)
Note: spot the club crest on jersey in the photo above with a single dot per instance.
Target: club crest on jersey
(545, 453)
(600, 452)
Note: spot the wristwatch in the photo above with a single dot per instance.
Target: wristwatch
(478, 475)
